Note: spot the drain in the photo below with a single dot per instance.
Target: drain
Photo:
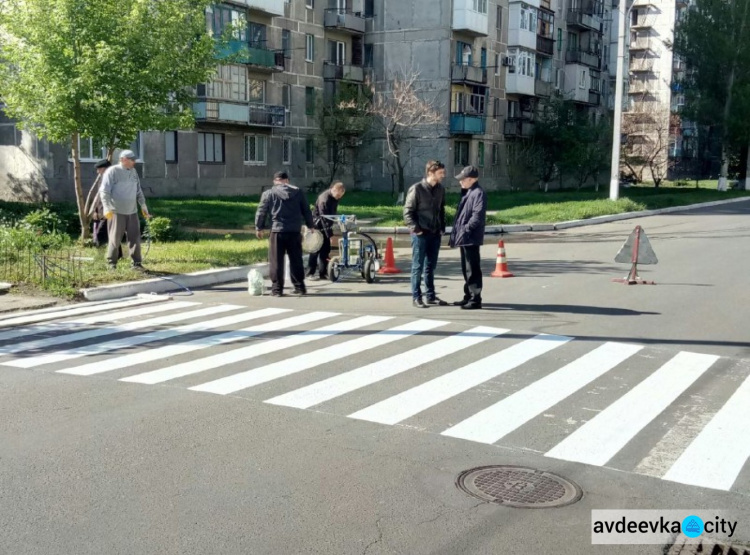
(686, 546)
(519, 487)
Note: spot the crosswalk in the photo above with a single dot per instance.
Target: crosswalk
(480, 384)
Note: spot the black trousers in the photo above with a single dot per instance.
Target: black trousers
(472, 272)
(319, 260)
(279, 245)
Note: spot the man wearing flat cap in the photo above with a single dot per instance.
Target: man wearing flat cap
(287, 208)
(468, 235)
(121, 194)
(96, 212)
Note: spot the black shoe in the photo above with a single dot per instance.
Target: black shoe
(112, 267)
(138, 268)
(299, 292)
(313, 278)
(438, 301)
(419, 303)
(461, 303)
(277, 294)
(471, 306)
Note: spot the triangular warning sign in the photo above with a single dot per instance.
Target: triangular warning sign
(638, 242)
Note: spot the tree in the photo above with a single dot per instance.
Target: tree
(552, 134)
(342, 121)
(646, 149)
(404, 111)
(105, 69)
(713, 38)
(588, 151)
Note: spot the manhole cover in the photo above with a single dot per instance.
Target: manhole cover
(517, 486)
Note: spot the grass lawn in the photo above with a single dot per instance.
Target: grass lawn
(238, 213)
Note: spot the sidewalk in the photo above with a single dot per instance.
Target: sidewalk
(10, 302)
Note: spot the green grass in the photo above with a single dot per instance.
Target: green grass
(514, 207)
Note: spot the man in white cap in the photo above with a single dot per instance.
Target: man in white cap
(121, 194)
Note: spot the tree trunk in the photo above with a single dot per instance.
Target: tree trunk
(747, 170)
(80, 200)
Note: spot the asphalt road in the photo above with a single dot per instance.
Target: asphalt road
(339, 423)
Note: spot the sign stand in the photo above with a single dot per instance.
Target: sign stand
(636, 250)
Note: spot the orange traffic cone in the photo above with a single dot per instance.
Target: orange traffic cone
(501, 267)
(390, 260)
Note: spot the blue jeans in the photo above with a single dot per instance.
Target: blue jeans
(424, 255)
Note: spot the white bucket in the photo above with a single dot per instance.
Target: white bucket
(255, 283)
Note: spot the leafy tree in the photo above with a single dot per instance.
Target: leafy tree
(102, 68)
(713, 38)
(342, 120)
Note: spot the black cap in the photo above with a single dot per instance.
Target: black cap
(103, 164)
(281, 175)
(468, 171)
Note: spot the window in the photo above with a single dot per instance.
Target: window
(211, 148)
(332, 151)
(256, 91)
(309, 151)
(499, 20)
(497, 64)
(369, 60)
(286, 151)
(223, 18)
(286, 97)
(309, 101)
(523, 61)
(286, 43)
(309, 4)
(480, 6)
(90, 149)
(495, 154)
(255, 150)
(483, 58)
(496, 108)
(230, 83)
(463, 53)
(480, 156)
(460, 154)
(369, 8)
(309, 48)
(559, 40)
(170, 144)
(513, 109)
(257, 35)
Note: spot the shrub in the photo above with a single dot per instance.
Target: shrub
(162, 230)
(43, 220)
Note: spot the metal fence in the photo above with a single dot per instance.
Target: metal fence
(54, 268)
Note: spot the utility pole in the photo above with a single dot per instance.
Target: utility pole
(614, 182)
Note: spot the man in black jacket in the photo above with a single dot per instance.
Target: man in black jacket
(424, 214)
(288, 209)
(468, 235)
(326, 205)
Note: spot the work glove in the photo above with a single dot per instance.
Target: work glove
(109, 215)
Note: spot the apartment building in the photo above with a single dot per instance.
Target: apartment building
(488, 64)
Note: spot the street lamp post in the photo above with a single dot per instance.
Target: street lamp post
(614, 182)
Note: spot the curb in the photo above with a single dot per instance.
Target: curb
(525, 228)
(172, 283)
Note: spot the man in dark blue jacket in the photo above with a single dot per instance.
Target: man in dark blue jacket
(287, 208)
(468, 235)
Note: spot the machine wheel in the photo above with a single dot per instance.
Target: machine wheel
(369, 271)
(334, 270)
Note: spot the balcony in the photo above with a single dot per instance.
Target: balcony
(521, 37)
(519, 84)
(260, 58)
(521, 128)
(468, 74)
(342, 20)
(270, 7)
(545, 46)
(644, 22)
(595, 98)
(583, 20)
(267, 115)
(639, 87)
(641, 65)
(335, 72)
(590, 59)
(238, 113)
(642, 44)
(644, 4)
(467, 124)
(542, 88)
(468, 21)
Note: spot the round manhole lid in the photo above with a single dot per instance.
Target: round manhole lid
(518, 486)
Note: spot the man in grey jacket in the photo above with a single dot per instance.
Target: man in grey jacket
(121, 194)
(424, 214)
(287, 208)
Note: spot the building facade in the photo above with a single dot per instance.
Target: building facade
(488, 64)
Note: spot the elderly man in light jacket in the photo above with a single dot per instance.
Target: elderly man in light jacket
(121, 194)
